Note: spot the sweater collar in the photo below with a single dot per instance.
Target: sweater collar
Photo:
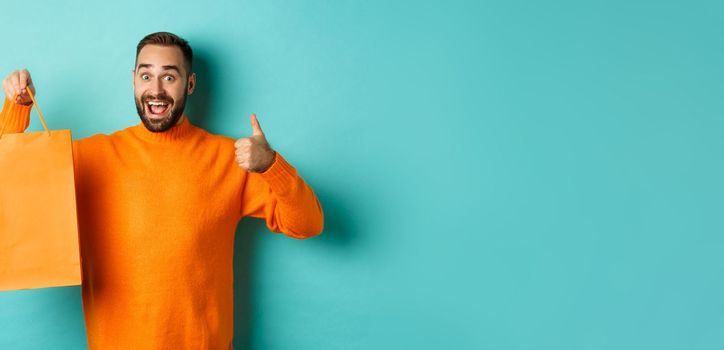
(177, 132)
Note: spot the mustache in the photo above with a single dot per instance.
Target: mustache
(160, 97)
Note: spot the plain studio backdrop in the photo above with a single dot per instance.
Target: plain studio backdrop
(494, 175)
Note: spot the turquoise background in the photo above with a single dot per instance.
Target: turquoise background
(494, 175)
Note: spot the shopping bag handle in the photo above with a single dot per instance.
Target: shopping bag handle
(36, 108)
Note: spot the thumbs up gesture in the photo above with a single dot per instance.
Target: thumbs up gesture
(253, 153)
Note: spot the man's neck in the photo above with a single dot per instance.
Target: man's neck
(180, 119)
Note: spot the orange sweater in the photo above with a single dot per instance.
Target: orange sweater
(157, 213)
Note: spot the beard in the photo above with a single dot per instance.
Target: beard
(163, 124)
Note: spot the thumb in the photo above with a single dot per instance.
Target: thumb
(255, 127)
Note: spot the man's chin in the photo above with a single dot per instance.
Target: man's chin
(159, 124)
(158, 119)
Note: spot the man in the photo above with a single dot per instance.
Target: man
(158, 204)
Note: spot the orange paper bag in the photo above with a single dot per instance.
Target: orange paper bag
(39, 244)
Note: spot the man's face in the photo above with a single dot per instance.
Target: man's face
(160, 86)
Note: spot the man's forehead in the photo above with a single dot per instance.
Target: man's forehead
(152, 49)
(156, 56)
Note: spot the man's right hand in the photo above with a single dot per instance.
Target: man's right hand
(17, 84)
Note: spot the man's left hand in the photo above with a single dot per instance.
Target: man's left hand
(253, 153)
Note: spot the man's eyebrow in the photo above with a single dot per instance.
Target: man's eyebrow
(166, 67)
(169, 67)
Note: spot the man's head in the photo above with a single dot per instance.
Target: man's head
(162, 79)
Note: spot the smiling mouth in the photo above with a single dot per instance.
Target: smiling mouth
(157, 108)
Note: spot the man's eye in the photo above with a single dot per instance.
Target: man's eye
(168, 78)
(145, 77)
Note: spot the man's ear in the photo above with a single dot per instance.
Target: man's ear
(191, 84)
(133, 76)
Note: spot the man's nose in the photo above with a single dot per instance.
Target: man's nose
(156, 87)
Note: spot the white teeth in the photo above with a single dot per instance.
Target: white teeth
(152, 103)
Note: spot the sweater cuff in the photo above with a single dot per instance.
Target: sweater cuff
(280, 176)
(16, 117)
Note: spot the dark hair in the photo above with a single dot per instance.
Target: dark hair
(167, 39)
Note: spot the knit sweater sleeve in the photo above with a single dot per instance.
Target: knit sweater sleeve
(281, 197)
(15, 117)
